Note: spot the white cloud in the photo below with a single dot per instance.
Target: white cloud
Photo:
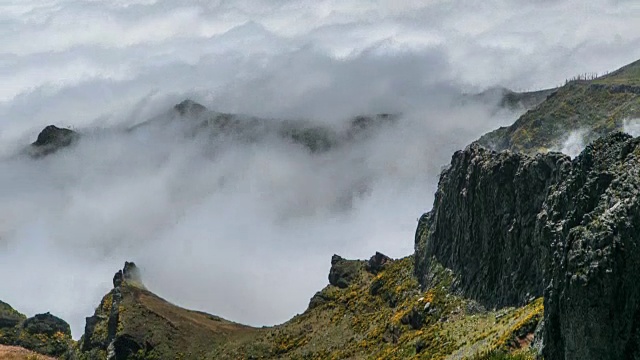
(241, 230)
(632, 127)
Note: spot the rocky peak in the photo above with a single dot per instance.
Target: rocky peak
(189, 107)
(129, 274)
(52, 139)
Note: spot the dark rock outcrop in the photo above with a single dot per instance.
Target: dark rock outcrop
(132, 322)
(101, 330)
(483, 222)
(513, 227)
(377, 262)
(343, 271)
(592, 222)
(52, 139)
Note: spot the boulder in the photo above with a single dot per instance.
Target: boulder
(377, 262)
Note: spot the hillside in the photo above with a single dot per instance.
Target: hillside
(371, 310)
(513, 238)
(596, 107)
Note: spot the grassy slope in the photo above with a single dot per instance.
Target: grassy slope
(366, 320)
(18, 353)
(599, 106)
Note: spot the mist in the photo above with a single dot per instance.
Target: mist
(246, 229)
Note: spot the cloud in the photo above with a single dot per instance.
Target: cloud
(242, 229)
(574, 142)
(632, 127)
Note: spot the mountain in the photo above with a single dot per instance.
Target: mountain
(594, 107)
(506, 98)
(514, 227)
(44, 333)
(370, 309)
(526, 253)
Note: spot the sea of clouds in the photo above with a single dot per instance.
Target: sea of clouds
(246, 230)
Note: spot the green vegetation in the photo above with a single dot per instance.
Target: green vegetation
(628, 75)
(376, 316)
(597, 106)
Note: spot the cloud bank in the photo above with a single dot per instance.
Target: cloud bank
(246, 230)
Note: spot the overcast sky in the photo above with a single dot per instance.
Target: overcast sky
(246, 231)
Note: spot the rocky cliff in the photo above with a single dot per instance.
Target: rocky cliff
(483, 223)
(513, 226)
(591, 221)
(43, 333)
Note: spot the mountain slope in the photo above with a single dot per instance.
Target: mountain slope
(373, 310)
(511, 226)
(595, 107)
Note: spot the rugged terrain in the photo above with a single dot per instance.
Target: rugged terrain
(514, 238)
(594, 108)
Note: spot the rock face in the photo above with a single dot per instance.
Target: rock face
(343, 271)
(512, 227)
(43, 333)
(592, 222)
(52, 139)
(101, 338)
(483, 222)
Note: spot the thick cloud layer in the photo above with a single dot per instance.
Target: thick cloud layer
(246, 230)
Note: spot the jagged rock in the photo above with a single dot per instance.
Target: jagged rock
(377, 262)
(52, 139)
(592, 223)
(511, 225)
(343, 272)
(483, 221)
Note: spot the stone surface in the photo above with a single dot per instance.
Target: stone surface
(514, 227)
(483, 221)
(377, 262)
(592, 223)
(343, 271)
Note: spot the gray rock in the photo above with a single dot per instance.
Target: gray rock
(591, 221)
(513, 227)
(483, 221)
(52, 139)
(343, 271)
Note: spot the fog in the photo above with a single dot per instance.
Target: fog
(246, 229)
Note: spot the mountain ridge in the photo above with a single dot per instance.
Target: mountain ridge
(556, 238)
